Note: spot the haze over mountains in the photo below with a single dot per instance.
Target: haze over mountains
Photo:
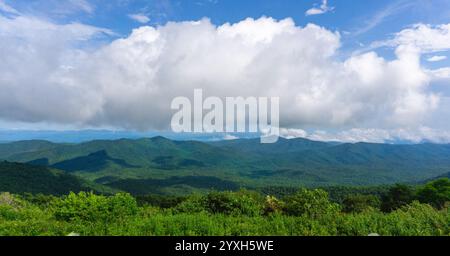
(85, 135)
(161, 165)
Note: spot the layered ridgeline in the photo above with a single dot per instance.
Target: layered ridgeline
(160, 165)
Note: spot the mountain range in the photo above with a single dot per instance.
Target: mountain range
(164, 166)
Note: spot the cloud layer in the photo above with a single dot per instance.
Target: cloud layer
(51, 73)
(373, 135)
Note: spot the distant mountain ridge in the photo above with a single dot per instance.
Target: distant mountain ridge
(242, 162)
(283, 146)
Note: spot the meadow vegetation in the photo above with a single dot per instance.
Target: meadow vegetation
(399, 211)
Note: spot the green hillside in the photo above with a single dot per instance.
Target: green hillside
(283, 146)
(142, 152)
(160, 165)
(173, 185)
(23, 178)
(21, 147)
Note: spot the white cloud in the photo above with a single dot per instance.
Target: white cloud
(373, 135)
(230, 137)
(7, 8)
(426, 38)
(439, 74)
(292, 133)
(353, 135)
(35, 56)
(323, 8)
(141, 18)
(416, 135)
(130, 82)
(437, 58)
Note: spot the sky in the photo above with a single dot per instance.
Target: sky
(373, 71)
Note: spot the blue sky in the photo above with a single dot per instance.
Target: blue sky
(395, 98)
(360, 22)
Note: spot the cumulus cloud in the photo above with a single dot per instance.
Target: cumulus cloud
(425, 37)
(428, 38)
(259, 58)
(36, 55)
(323, 8)
(139, 17)
(48, 76)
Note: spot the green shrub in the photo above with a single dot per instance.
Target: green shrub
(195, 203)
(228, 203)
(234, 203)
(122, 206)
(398, 196)
(307, 213)
(310, 203)
(435, 193)
(7, 199)
(414, 219)
(14, 208)
(94, 208)
(360, 203)
(40, 199)
(417, 219)
(273, 206)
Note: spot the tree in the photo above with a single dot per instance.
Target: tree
(435, 193)
(359, 203)
(230, 203)
(312, 203)
(399, 195)
(194, 203)
(234, 203)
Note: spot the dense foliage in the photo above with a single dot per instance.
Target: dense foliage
(162, 166)
(422, 210)
(16, 178)
(435, 193)
(25, 178)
